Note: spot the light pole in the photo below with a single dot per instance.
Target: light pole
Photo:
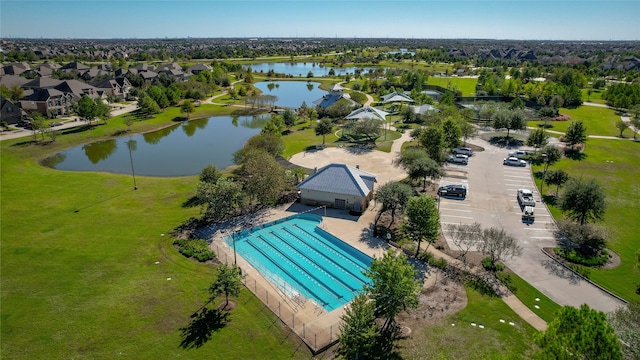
(132, 145)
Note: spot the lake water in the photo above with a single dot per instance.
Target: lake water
(179, 150)
(302, 69)
(291, 94)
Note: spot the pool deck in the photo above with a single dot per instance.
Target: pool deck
(317, 327)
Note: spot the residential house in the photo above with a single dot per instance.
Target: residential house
(42, 82)
(335, 93)
(119, 87)
(339, 186)
(48, 102)
(12, 80)
(198, 68)
(16, 68)
(77, 89)
(93, 73)
(10, 112)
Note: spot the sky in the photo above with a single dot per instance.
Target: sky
(471, 19)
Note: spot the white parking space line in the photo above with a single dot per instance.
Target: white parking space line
(452, 203)
(535, 229)
(518, 176)
(452, 223)
(541, 237)
(521, 184)
(455, 216)
(455, 210)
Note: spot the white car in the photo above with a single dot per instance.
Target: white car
(518, 154)
(463, 150)
(458, 159)
(514, 161)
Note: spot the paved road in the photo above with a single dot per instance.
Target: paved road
(491, 201)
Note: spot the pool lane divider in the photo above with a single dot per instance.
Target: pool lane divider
(299, 266)
(347, 271)
(314, 262)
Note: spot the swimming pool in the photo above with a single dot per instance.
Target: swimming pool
(301, 259)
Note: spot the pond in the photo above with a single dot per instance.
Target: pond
(291, 94)
(301, 69)
(179, 150)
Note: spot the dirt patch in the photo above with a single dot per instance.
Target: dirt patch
(444, 298)
(224, 306)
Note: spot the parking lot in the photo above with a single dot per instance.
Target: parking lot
(491, 201)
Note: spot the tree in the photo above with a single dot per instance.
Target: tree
(448, 98)
(394, 287)
(468, 131)
(622, 126)
(210, 174)
(86, 108)
(579, 334)
(576, 133)
(635, 122)
(408, 115)
(498, 245)
(264, 177)
(464, 237)
(588, 239)
(546, 113)
(392, 196)
(220, 199)
(358, 328)
(425, 168)
(626, 324)
(37, 125)
(289, 117)
(551, 155)
(128, 121)
(433, 140)
(324, 127)
(187, 108)
(275, 125)
(451, 131)
(158, 95)
(369, 128)
(538, 138)
(583, 200)
(500, 119)
(556, 177)
(269, 142)
(422, 220)
(227, 283)
(147, 105)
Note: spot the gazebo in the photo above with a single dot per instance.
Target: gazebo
(366, 113)
(396, 97)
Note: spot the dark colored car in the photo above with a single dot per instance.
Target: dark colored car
(453, 190)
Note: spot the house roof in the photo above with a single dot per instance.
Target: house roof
(44, 94)
(331, 98)
(423, 108)
(11, 80)
(77, 88)
(340, 179)
(42, 82)
(336, 87)
(367, 112)
(395, 97)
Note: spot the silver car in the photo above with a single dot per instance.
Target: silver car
(458, 159)
(514, 161)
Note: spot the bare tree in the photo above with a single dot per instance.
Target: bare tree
(464, 237)
(498, 245)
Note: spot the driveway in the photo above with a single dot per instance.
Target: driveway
(491, 201)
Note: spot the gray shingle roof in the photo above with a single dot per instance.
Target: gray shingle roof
(367, 112)
(340, 179)
(396, 96)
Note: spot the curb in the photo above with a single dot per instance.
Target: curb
(585, 278)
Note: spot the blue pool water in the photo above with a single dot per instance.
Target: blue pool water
(302, 259)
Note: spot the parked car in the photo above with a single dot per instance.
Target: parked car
(525, 197)
(57, 123)
(514, 161)
(528, 214)
(518, 154)
(453, 190)
(463, 151)
(458, 159)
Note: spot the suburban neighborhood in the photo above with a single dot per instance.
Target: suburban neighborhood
(423, 198)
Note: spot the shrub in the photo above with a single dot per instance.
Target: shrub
(486, 263)
(195, 248)
(585, 272)
(578, 258)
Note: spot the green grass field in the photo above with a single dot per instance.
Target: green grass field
(528, 294)
(598, 120)
(614, 164)
(79, 278)
(595, 97)
(463, 341)
(466, 85)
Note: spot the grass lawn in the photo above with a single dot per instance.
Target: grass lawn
(464, 341)
(595, 97)
(598, 120)
(466, 85)
(79, 278)
(528, 294)
(614, 164)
